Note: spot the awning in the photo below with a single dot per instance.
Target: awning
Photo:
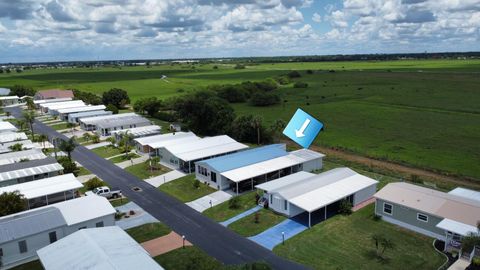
(456, 227)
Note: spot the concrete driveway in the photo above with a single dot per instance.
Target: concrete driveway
(273, 236)
(205, 202)
(165, 178)
(141, 216)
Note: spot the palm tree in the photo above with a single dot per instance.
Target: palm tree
(30, 103)
(72, 126)
(127, 139)
(153, 162)
(278, 126)
(87, 136)
(112, 141)
(95, 138)
(257, 123)
(29, 118)
(42, 138)
(68, 146)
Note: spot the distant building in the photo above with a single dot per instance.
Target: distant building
(317, 196)
(53, 94)
(8, 100)
(24, 233)
(104, 125)
(7, 127)
(26, 144)
(138, 132)
(445, 216)
(13, 157)
(20, 172)
(75, 117)
(108, 248)
(6, 137)
(44, 101)
(4, 91)
(64, 113)
(147, 144)
(46, 107)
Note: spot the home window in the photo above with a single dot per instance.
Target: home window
(387, 208)
(422, 217)
(271, 198)
(81, 228)
(53, 237)
(285, 204)
(22, 246)
(99, 224)
(1, 252)
(213, 177)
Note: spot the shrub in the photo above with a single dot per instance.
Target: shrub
(234, 203)
(294, 74)
(239, 66)
(476, 262)
(165, 116)
(309, 71)
(196, 184)
(68, 165)
(345, 207)
(112, 108)
(94, 183)
(300, 85)
(257, 217)
(415, 179)
(232, 93)
(282, 80)
(264, 99)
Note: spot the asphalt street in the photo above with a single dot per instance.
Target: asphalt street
(216, 240)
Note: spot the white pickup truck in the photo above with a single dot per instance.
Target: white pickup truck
(105, 192)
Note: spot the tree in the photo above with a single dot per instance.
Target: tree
(264, 99)
(112, 141)
(257, 124)
(277, 127)
(300, 85)
(148, 105)
(386, 244)
(204, 113)
(376, 238)
(68, 146)
(87, 97)
(42, 138)
(247, 128)
(16, 147)
(71, 126)
(21, 123)
(94, 183)
(87, 136)
(69, 166)
(112, 108)
(11, 203)
(95, 138)
(294, 74)
(29, 118)
(30, 104)
(117, 97)
(126, 142)
(21, 90)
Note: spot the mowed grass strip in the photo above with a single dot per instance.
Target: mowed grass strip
(122, 158)
(184, 189)
(148, 231)
(59, 126)
(344, 242)
(248, 227)
(223, 212)
(107, 151)
(144, 171)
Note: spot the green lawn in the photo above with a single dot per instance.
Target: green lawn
(60, 126)
(107, 151)
(83, 171)
(422, 113)
(148, 231)
(184, 190)
(33, 265)
(119, 202)
(247, 226)
(143, 170)
(122, 158)
(344, 242)
(222, 212)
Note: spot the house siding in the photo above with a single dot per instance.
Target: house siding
(407, 218)
(364, 194)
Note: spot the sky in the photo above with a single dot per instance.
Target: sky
(69, 30)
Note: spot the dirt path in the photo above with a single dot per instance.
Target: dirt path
(164, 244)
(398, 168)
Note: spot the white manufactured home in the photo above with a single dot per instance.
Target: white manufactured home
(6, 126)
(75, 117)
(46, 107)
(6, 101)
(151, 143)
(20, 172)
(14, 157)
(64, 113)
(26, 232)
(317, 196)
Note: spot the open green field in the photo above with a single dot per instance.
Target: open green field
(344, 242)
(424, 113)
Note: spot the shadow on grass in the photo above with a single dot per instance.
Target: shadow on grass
(372, 255)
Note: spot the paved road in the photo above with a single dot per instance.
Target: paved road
(218, 241)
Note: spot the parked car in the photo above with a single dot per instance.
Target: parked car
(105, 192)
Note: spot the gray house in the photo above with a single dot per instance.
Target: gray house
(75, 117)
(104, 128)
(317, 195)
(24, 233)
(20, 172)
(444, 216)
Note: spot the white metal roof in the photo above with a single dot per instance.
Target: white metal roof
(6, 126)
(13, 157)
(171, 140)
(95, 119)
(107, 248)
(456, 227)
(284, 181)
(205, 147)
(26, 144)
(8, 97)
(53, 100)
(466, 193)
(140, 131)
(63, 104)
(85, 108)
(321, 195)
(84, 208)
(264, 167)
(152, 140)
(46, 186)
(5, 176)
(12, 136)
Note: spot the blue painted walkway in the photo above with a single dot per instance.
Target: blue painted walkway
(242, 215)
(273, 236)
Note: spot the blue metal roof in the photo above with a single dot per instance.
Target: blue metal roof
(245, 158)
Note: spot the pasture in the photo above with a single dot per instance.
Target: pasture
(423, 113)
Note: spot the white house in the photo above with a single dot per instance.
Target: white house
(26, 144)
(6, 137)
(107, 126)
(108, 248)
(317, 195)
(20, 172)
(24, 233)
(75, 117)
(64, 113)
(44, 101)
(45, 107)
(90, 123)
(13, 157)
(47, 191)
(6, 126)
(8, 100)
(150, 143)
(243, 170)
(138, 132)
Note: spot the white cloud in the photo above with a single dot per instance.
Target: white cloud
(316, 17)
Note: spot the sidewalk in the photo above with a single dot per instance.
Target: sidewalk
(242, 215)
(164, 244)
(165, 178)
(141, 216)
(460, 264)
(203, 203)
(97, 145)
(134, 161)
